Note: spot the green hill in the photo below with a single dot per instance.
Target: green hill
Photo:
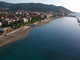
(39, 7)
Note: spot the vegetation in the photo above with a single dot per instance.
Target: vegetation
(16, 24)
(1, 32)
(35, 19)
(33, 7)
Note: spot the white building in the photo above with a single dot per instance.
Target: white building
(0, 23)
(25, 19)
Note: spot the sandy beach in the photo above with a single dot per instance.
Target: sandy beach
(20, 33)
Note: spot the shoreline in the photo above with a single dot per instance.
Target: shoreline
(21, 32)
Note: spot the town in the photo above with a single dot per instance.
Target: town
(10, 20)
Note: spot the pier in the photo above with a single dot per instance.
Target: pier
(78, 20)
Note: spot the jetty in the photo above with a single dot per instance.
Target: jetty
(78, 20)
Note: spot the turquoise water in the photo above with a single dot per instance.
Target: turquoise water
(57, 40)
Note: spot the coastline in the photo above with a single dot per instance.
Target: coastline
(21, 32)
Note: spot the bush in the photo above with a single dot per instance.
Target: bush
(1, 31)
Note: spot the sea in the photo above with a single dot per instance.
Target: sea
(57, 40)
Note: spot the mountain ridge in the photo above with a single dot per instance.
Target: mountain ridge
(39, 7)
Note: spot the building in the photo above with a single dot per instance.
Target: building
(0, 23)
(7, 29)
(25, 20)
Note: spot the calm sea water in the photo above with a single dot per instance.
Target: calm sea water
(57, 40)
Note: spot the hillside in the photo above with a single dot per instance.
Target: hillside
(39, 7)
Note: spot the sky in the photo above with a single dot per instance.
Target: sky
(72, 5)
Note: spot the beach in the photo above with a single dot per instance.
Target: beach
(11, 37)
(20, 32)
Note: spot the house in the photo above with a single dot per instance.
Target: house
(7, 29)
(0, 23)
(49, 15)
(29, 18)
(2, 17)
(25, 20)
(41, 16)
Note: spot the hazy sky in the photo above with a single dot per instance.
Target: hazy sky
(73, 5)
